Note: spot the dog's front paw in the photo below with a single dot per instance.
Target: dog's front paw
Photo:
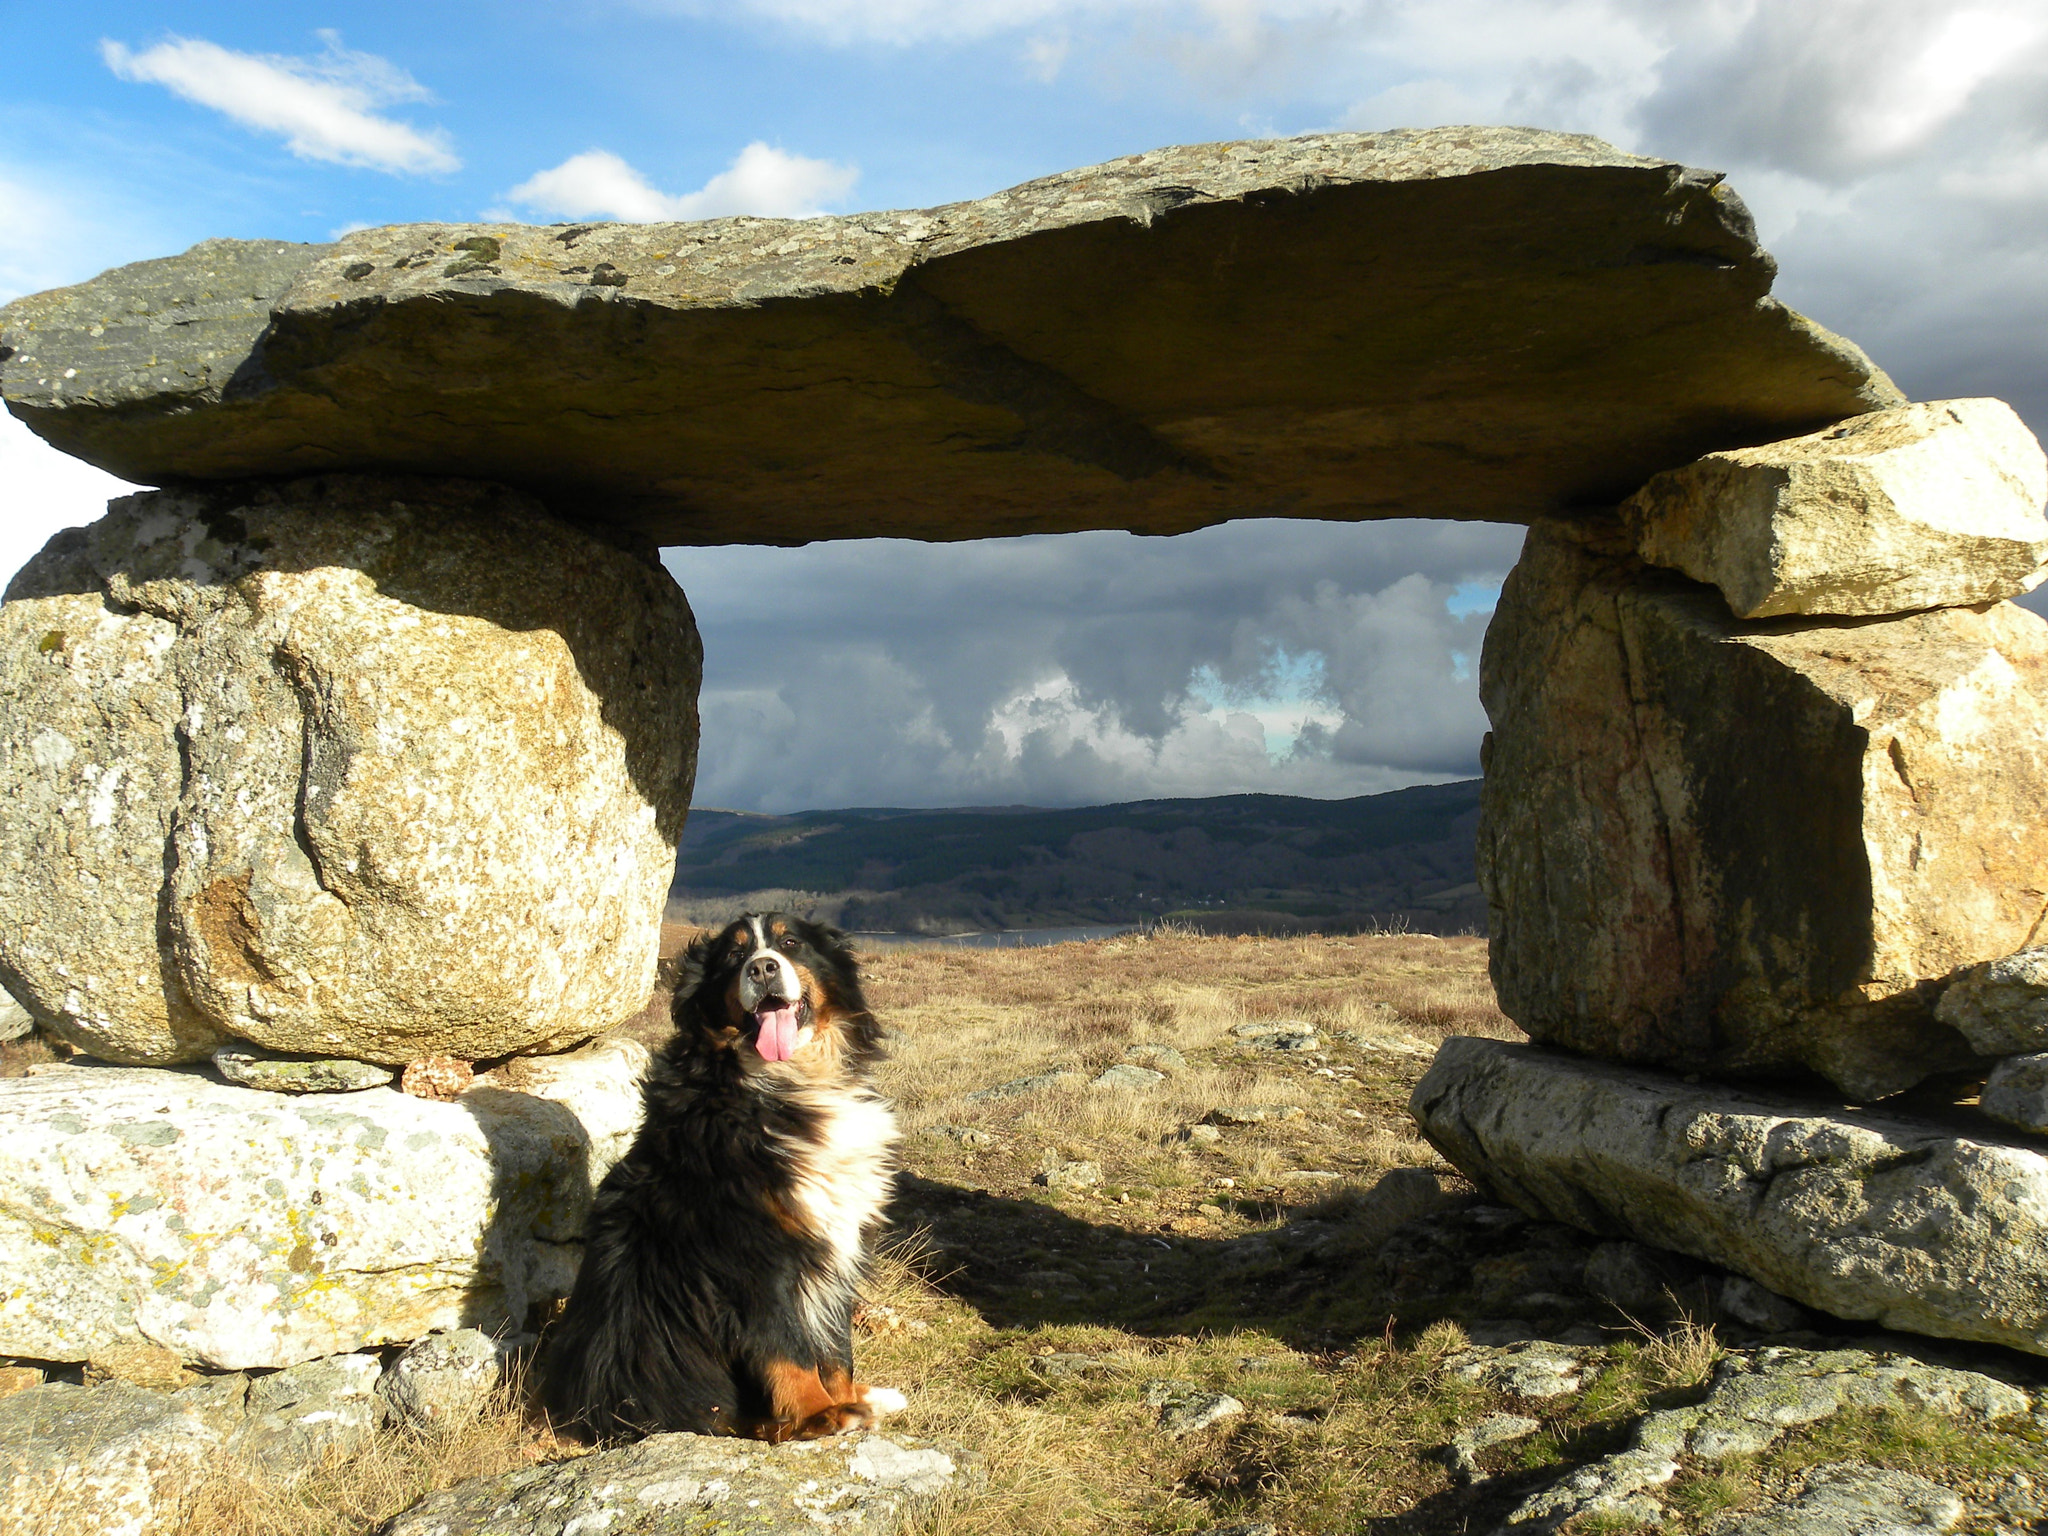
(882, 1401)
(839, 1419)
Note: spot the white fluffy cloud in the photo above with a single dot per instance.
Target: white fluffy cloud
(31, 220)
(41, 491)
(1835, 92)
(901, 22)
(324, 107)
(761, 180)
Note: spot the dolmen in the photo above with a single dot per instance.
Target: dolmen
(360, 746)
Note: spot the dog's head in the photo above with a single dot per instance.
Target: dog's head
(779, 989)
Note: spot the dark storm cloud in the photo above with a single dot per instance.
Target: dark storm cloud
(1896, 153)
(1090, 667)
(1833, 92)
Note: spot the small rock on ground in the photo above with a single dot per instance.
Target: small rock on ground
(967, 1135)
(2001, 1006)
(1124, 1075)
(1164, 1058)
(1535, 1369)
(1018, 1087)
(1184, 1408)
(1847, 1498)
(1063, 1177)
(302, 1414)
(1495, 1429)
(1250, 1114)
(1391, 1041)
(2017, 1092)
(276, 1073)
(684, 1485)
(444, 1378)
(1280, 1035)
(437, 1077)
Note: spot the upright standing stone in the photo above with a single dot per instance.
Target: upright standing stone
(1740, 847)
(351, 767)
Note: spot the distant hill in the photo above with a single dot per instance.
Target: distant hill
(1271, 863)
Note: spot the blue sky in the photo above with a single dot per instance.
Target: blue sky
(1895, 151)
(677, 95)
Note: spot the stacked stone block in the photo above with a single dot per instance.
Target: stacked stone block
(1764, 814)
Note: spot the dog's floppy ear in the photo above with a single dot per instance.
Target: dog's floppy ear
(690, 965)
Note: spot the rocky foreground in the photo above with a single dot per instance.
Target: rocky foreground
(1181, 1250)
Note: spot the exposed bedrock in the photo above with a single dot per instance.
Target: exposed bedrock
(1739, 847)
(1460, 322)
(245, 1229)
(349, 766)
(1862, 1214)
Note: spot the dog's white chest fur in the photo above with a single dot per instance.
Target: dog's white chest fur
(842, 1181)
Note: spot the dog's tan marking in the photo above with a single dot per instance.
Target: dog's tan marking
(807, 1407)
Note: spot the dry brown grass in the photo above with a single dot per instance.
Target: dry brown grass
(967, 1018)
(33, 1050)
(351, 1494)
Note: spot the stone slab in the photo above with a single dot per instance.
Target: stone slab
(247, 1229)
(1721, 846)
(1754, 1401)
(1859, 1213)
(1490, 323)
(1851, 1499)
(2001, 1005)
(1921, 506)
(112, 1460)
(697, 1485)
(274, 1073)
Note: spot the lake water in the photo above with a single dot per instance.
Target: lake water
(1004, 938)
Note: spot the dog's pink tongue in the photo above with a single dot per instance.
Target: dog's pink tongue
(776, 1038)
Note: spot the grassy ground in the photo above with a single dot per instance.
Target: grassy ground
(1026, 1318)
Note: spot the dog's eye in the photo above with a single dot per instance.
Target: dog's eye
(787, 944)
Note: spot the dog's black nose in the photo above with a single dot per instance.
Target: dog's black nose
(762, 968)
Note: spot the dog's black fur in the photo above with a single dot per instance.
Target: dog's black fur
(717, 1287)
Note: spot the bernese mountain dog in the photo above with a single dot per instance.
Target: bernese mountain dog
(724, 1251)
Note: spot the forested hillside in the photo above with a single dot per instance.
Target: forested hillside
(1271, 862)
